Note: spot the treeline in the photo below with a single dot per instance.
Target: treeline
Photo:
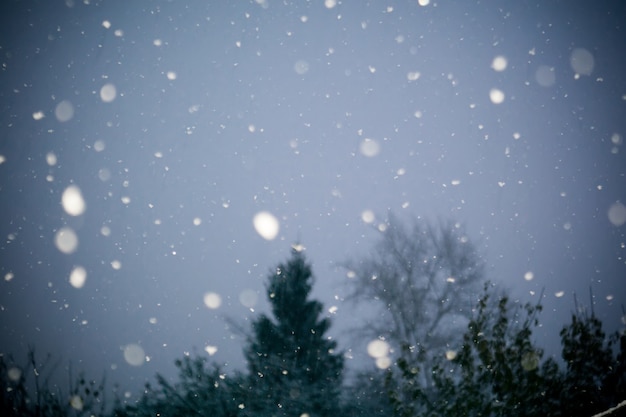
(436, 352)
(500, 371)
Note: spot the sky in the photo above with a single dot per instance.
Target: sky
(140, 140)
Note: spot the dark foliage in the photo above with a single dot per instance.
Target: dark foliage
(293, 366)
(367, 395)
(494, 369)
(595, 379)
(201, 390)
(499, 371)
(28, 391)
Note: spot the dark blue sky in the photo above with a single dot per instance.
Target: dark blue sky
(316, 112)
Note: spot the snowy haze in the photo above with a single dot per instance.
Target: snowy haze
(158, 158)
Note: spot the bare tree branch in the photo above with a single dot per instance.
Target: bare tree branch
(419, 275)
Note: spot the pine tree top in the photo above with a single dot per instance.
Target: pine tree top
(289, 352)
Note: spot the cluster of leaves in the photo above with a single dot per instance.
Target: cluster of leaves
(499, 370)
(27, 391)
(594, 378)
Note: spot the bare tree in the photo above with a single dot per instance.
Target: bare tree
(424, 278)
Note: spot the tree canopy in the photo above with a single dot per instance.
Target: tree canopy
(499, 370)
(293, 366)
(421, 276)
(494, 367)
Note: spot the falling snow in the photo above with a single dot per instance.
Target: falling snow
(156, 161)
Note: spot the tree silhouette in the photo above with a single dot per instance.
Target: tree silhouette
(201, 390)
(421, 277)
(498, 370)
(594, 378)
(294, 368)
(26, 390)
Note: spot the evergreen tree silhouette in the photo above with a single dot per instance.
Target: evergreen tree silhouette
(294, 368)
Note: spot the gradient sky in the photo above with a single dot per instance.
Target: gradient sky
(179, 121)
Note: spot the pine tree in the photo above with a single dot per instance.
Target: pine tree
(294, 369)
